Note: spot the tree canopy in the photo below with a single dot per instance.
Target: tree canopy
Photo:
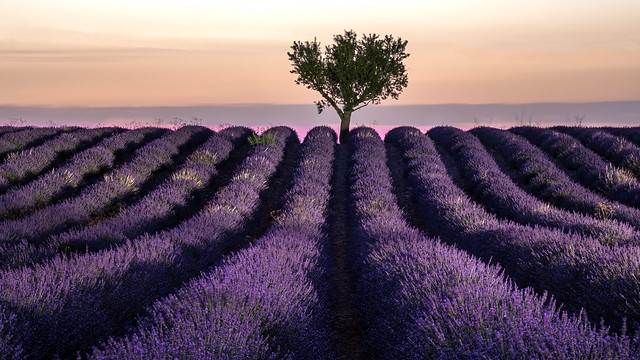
(351, 73)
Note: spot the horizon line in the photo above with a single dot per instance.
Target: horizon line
(44, 106)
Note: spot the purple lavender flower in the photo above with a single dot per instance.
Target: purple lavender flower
(24, 138)
(620, 151)
(72, 303)
(156, 209)
(590, 169)
(498, 194)
(116, 185)
(262, 302)
(578, 271)
(53, 185)
(20, 166)
(542, 178)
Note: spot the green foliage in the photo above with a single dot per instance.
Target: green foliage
(267, 137)
(351, 71)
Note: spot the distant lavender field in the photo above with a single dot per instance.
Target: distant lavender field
(211, 242)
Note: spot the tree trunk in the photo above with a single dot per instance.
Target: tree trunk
(345, 119)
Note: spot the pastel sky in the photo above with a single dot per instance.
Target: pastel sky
(188, 52)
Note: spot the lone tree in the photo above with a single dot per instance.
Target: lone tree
(352, 73)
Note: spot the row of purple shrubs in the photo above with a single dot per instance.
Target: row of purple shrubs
(156, 210)
(542, 178)
(21, 166)
(93, 200)
(591, 170)
(501, 196)
(4, 129)
(630, 133)
(264, 302)
(52, 185)
(578, 271)
(24, 138)
(620, 151)
(72, 303)
(421, 299)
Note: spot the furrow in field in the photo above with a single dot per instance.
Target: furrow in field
(402, 190)
(345, 320)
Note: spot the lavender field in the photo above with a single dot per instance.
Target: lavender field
(152, 243)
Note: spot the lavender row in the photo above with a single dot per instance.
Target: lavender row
(4, 129)
(420, 299)
(630, 133)
(591, 170)
(71, 304)
(23, 165)
(543, 179)
(578, 271)
(98, 197)
(9, 349)
(22, 139)
(499, 195)
(620, 151)
(274, 287)
(157, 209)
(53, 185)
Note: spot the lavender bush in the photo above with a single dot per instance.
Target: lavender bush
(20, 166)
(620, 151)
(630, 133)
(4, 129)
(542, 178)
(24, 138)
(303, 251)
(98, 197)
(591, 170)
(579, 271)
(264, 302)
(157, 208)
(422, 299)
(50, 186)
(498, 194)
(72, 303)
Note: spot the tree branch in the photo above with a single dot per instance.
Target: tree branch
(329, 100)
(361, 106)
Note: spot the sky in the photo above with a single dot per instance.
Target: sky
(119, 53)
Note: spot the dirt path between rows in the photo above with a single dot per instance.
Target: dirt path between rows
(345, 320)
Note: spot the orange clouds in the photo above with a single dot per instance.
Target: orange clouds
(216, 72)
(80, 69)
(480, 76)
